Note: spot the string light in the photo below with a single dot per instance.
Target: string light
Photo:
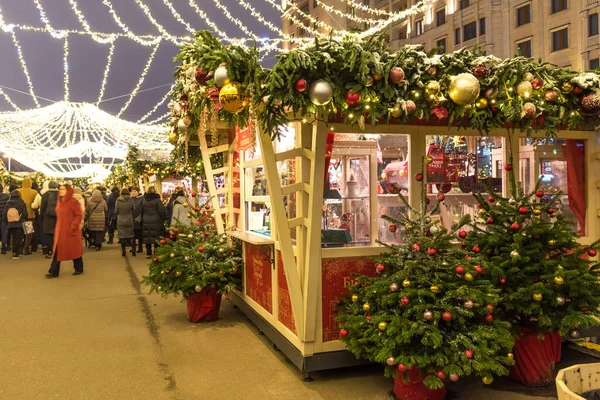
(163, 117)
(9, 100)
(138, 39)
(106, 71)
(160, 103)
(161, 29)
(55, 34)
(346, 15)
(140, 81)
(368, 9)
(414, 10)
(66, 66)
(86, 25)
(24, 66)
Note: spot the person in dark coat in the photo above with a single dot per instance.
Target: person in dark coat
(48, 215)
(153, 219)
(112, 219)
(68, 244)
(137, 226)
(124, 217)
(178, 192)
(95, 215)
(15, 228)
(4, 197)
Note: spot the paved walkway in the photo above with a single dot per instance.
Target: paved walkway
(99, 336)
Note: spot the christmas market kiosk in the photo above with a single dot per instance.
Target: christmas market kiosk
(320, 145)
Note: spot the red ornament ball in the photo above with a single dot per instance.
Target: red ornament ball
(468, 257)
(536, 236)
(416, 248)
(515, 226)
(478, 269)
(380, 268)
(352, 98)
(206, 234)
(198, 224)
(207, 207)
(393, 228)
(460, 270)
(432, 251)
(193, 194)
(441, 197)
(163, 241)
(490, 308)
(368, 317)
(551, 211)
(508, 167)
(427, 200)
(490, 220)
(539, 193)
(176, 230)
(201, 249)
(447, 316)
(537, 83)
(462, 234)
(419, 177)
(469, 354)
(401, 368)
(491, 199)
(404, 301)
(523, 210)
(476, 249)
(502, 281)
(489, 318)
(196, 208)
(155, 259)
(577, 90)
(592, 253)
(441, 375)
(167, 271)
(301, 85)
(343, 332)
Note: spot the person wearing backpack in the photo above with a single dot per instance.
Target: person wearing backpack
(95, 217)
(15, 213)
(67, 233)
(137, 218)
(48, 214)
(28, 195)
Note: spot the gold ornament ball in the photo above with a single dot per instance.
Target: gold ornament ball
(481, 103)
(354, 298)
(198, 288)
(172, 255)
(524, 89)
(173, 138)
(510, 356)
(178, 273)
(221, 249)
(552, 242)
(537, 297)
(432, 88)
(408, 227)
(320, 92)
(559, 280)
(159, 288)
(551, 95)
(382, 326)
(369, 81)
(487, 380)
(190, 236)
(434, 288)
(366, 307)
(537, 211)
(528, 76)
(567, 87)
(406, 283)
(464, 89)
(428, 160)
(231, 98)
(185, 204)
(396, 111)
(468, 277)
(482, 212)
(514, 254)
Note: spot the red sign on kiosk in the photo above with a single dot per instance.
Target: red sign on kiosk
(244, 137)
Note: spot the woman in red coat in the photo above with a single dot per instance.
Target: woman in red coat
(67, 234)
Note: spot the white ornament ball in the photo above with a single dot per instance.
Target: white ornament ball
(434, 229)
(190, 72)
(427, 315)
(320, 92)
(560, 301)
(390, 361)
(198, 288)
(222, 76)
(512, 201)
(454, 377)
(394, 287)
(181, 125)
(468, 304)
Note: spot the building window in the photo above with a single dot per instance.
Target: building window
(440, 17)
(441, 45)
(558, 5)
(419, 28)
(594, 63)
(469, 31)
(524, 15)
(560, 39)
(525, 48)
(481, 26)
(593, 24)
(462, 4)
(457, 36)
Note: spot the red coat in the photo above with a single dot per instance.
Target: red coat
(67, 234)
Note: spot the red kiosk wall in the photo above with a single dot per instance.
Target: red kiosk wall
(337, 273)
(259, 285)
(285, 314)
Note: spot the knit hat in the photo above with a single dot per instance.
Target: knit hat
(53, 185)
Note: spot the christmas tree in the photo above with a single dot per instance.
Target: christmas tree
(195, 256)
(534, 258)
(430, 307)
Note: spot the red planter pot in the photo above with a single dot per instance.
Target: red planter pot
(415, 389)
(535, 359)
(203, 306)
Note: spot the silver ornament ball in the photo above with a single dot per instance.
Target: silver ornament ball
(468, 304)
(222, 76)
(427, 315)
(560, 301)
(454, 377)
(320, 92)
(434, 229)
(394, 287)
(198, 288)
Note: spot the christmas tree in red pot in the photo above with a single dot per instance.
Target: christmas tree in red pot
(196, 262)
(548, 286)
(429, 315)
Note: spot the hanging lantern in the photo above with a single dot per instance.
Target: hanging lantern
(320, 92)
(464, 89)
(231, 98)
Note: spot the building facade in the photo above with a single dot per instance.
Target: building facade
(562, 32)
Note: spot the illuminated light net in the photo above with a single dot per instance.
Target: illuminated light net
(74, 139)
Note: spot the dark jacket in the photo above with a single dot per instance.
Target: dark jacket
(112, 200)
(15, 202)
(153, 218)
(137, 204)
(48, 210)
(95, 213)
(4, 197)
(124, 215)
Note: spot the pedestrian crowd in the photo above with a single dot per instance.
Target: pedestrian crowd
(62, 220)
